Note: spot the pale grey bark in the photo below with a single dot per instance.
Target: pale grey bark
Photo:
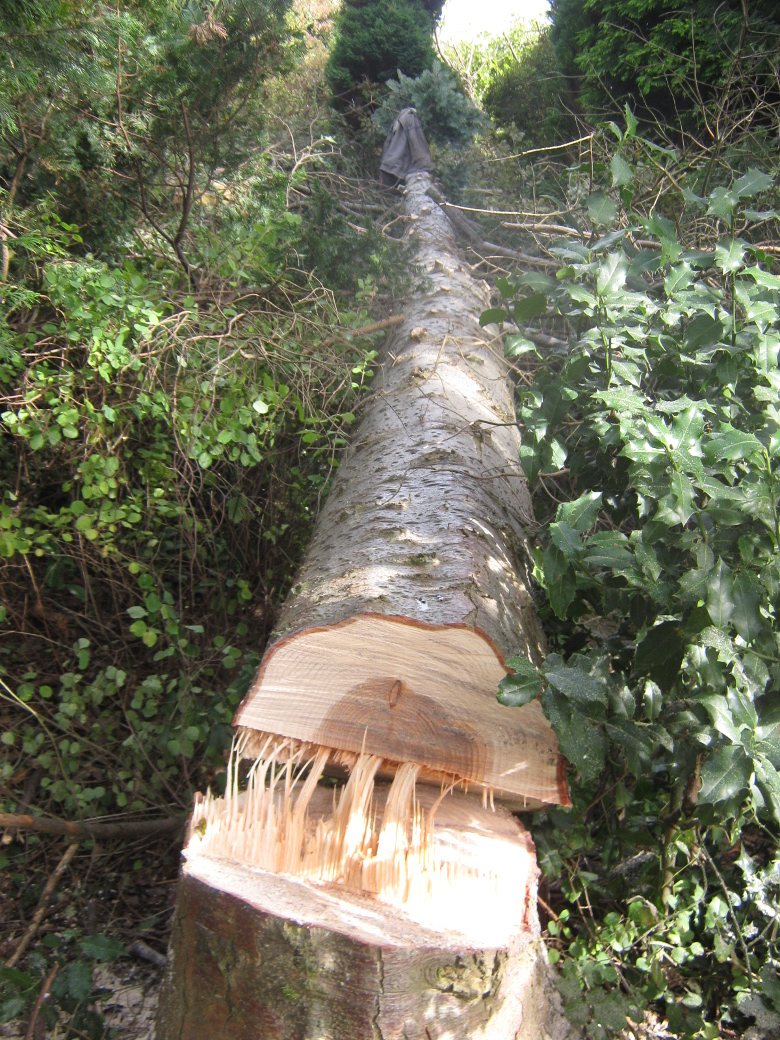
(427, 513)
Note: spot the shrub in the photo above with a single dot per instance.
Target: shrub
(525, 89)
(377, 39)
(669, 60)
(660, 583)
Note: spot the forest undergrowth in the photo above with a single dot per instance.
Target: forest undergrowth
(646, 352)
(189, 258)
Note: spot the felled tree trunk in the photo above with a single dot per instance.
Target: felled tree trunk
(407, 911)
(415, 587)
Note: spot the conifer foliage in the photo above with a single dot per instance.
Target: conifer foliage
(377, 38)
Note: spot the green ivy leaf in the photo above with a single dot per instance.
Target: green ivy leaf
(704, 331)
(725, 775)
(529, 307)
(581, 741)
(102, 947)
(622, 172)
(494, 315)
(517, 346)
(611, 275)
(720, 714)
(560, 580)
(770, 985)
(730, 445)
(660, 654)
(722, 204)
(581, 679)
(11, 1009)
(609, 549)
(752, 183)
(581, 514)
(78, 977)
(731, 256)
(566, 539)
(746, 617)
(601, 208)
(521, 688)
(720, 602)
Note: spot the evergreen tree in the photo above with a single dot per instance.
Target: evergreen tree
(526, 89)
(377, 38)
(105, 106)
(662, 56)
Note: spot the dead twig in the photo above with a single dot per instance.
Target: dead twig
(90, 829)
(43, 906)
(547, 908)
(39, 1002)
(365, 330)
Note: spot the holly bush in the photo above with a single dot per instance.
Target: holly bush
(653, 432)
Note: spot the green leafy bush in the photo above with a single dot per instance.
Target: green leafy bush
(661, 583)
(168, 413)
(73, 995)
(98, 102)
(376, 39)
(672, 60)
(524, 88)
(144, 520)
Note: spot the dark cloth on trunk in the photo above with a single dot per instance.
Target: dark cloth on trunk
(406, 149)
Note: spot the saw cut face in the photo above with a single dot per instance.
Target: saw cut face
(406, 692)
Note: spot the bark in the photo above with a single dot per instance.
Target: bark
(424, 532)
(427, 514)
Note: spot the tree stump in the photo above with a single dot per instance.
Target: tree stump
(271, 957)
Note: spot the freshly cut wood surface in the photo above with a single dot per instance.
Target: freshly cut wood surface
(441, 859)
(407, 692)
(262, 956)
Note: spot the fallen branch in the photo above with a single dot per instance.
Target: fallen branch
(543, 229)
(549, 148)
(43, 906)
(92, 829)
(541, 339)
(364, 330)
(490, 249)
(39, 1002)
(146, 953)
(472, 233)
